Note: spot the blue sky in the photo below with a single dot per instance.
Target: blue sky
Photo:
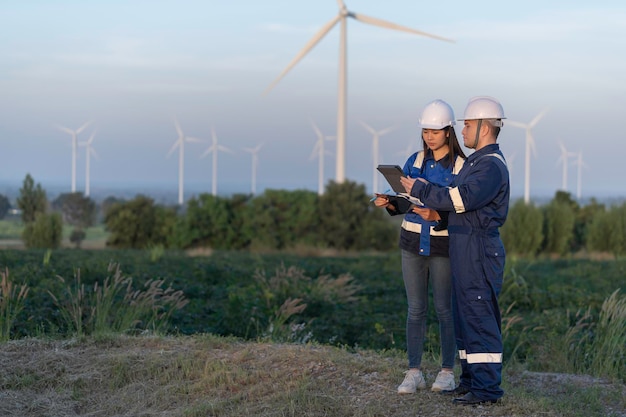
(132, 67)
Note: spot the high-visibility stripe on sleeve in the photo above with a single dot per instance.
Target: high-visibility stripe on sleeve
(484, 358)
(462, 354)
(457, 201)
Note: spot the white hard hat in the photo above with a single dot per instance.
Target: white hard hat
(483, 107)
(436, 115)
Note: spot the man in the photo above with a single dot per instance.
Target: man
(478, 202)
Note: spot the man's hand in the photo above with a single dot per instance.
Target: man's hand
(383, 201)
(427, 214)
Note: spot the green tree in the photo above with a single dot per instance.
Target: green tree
(599, 232)
(583, 221)
(349, 221)
(5, 206)
(522, 232)
(139, 224)
(45, 232)
(76, 209)
(212, 221)
(32, 200)
(559, 227)
(281, 219)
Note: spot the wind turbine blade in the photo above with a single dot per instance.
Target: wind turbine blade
(93, 135)
(192, 139)
(341, 4)
(516, 124)
(224, 149)
(65, 129)
(318, 132)
(176, 144)
(369, 128)
(537, 118)
(388, 25)
(208, 151)
(80, 129)
(178, 129)
(314, 40)
(315, 151)
(387, 130)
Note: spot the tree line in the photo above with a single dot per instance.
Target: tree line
(342, 218)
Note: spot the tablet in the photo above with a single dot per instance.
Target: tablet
(392, 174)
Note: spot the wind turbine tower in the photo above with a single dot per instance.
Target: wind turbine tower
(255, 164)
(74, 134)
(580, 165)
(89, 151)
(180, 144)
(214, 148)
(342, 18)
(564, 159)
(320, 151)
(376, 134)
(530, 147)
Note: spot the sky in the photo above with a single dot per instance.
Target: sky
(134, 67)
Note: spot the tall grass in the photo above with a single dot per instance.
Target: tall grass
(609, 343)
(598, 347)
(114, 306)
(11, 303)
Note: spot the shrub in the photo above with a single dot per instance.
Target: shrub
(522, 232)
(45, 232)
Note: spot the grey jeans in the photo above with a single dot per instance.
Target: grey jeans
(416, 270)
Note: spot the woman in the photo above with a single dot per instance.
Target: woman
(424, 247)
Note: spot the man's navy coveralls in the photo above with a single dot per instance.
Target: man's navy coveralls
(478, 202)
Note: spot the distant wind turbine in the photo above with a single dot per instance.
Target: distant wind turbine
(580, 165)
(180, 144)
(530, 147)
(376, 134)
(564, 159)
(89, 151)
(214, 148)
(342, 16)
(74, 134)
(255, 164)
(319, 151)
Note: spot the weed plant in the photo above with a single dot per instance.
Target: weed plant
(11, 303)
(115, 306)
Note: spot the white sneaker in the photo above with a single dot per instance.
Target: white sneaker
(413, 379)
(444, 381)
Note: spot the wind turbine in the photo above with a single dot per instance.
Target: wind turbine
(255, 164)
(530, 147)
(89, 151)
(342, 17)
(320, 151)
(214, 148)
(564, 158)
(74, 134)
(376, 134)
(180, 144)
(580, 165)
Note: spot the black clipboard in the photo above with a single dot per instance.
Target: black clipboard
(392, 174)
